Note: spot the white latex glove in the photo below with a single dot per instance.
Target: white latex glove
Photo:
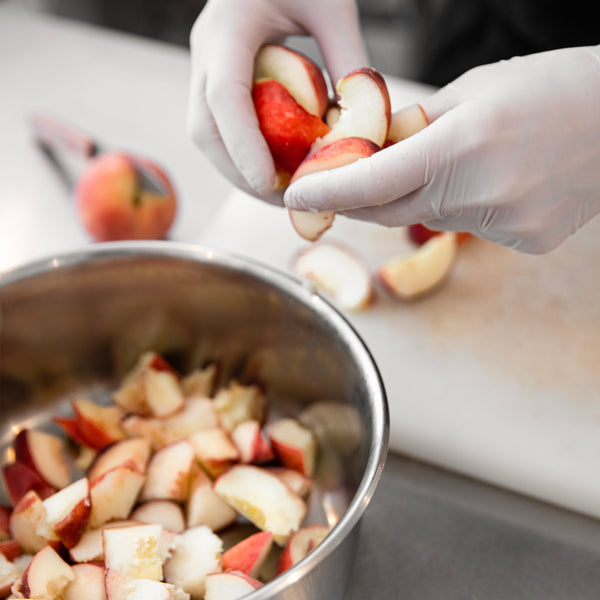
(224, 42)
(512, 154)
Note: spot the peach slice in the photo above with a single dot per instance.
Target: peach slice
(365, 109)
(67, 513)
(197, 553)
(47, 576)
(205, 507)
(20, 479)
(263, 499)
(9, 575)
(168, 473)
(89, 547)
(230, 585)
(300, 484)
(302, 78)
(214, 450)
(200, 382)
(28, 513)
(98, 425)
(336, 154)
(136, 450)
(287, 127)
(251, 443)
(167, 513)
(238, 403)
(413, 276)
(198, 413)
(10, 549)
(115, 493)
(132, 394)
(134, 551)
(294, 445)
(122, 588)
(249, 555)
(338, 272)
(87, 582)
(300, 545)
(43, 452)
(406, 122)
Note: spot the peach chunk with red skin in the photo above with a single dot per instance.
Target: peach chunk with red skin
(287, 127)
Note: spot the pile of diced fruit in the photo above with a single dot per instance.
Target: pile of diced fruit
(169, 464)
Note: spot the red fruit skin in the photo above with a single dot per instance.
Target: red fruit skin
(20, 478)
(288, 129)
(419, 234)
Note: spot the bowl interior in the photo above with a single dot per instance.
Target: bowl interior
(75, 325)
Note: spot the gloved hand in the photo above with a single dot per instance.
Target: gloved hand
(224, 42)
(512, 154)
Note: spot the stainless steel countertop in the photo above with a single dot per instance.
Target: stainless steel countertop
(431, 534)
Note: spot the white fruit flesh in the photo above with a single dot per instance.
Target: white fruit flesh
(337, 272)
(197, 553)
(264, 500)
(422, 271)
(134, 551)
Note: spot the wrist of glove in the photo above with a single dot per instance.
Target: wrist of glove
(512, 155)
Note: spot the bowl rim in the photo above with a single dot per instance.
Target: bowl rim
(308, 296)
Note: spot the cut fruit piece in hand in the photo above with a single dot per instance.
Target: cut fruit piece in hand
(406, 122)
(311, 225)
(294, 444)
(46, 576)
(249, 555)
(197, 552)
(43, 452)
(229, 586)
(302, 78)
(287, 127)
(423, 271)
(338, 272)
(300, 545)
(263, 499)
(134, 551)
(365, 109)
(67, 513)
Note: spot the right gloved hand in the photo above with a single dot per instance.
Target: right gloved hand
(224, 42)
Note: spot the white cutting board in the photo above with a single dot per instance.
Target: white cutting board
(497, 374)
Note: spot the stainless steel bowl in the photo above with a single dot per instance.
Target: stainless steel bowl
(77, 322)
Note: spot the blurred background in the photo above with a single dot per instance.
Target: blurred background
(389, 26)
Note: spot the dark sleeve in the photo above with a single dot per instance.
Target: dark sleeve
(456, 35)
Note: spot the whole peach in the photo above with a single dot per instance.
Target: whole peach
(112, 205)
